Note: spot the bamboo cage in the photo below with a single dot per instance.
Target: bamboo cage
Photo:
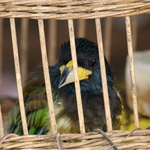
(70, 10)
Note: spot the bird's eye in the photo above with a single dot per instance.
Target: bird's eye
(92, 63)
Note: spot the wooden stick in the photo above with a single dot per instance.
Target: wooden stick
(103, 74)
(1, 124)
(1, 52)
(24, 48)
(81, 28)
(47, 77)
(52, 41)
(135, 31)
(108, 37)
(75, 69)
(132, 73)
(18, 75)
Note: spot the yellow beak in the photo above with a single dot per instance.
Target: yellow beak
(67, 75)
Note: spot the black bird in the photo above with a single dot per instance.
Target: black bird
(62, 80)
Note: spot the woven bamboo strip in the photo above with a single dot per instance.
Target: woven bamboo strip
(24, 48)
(75, 69)
(64, 2)
(18, 75)
(67, 2)
(1, 52)
(134, 140)
(103, 75)
(82, 136)
(79, 15)
(47, 77)
(52, 41)
(73, 9)
(1, 124)
(132, 73)
(79, 9)
(81, 28)
(108, 37)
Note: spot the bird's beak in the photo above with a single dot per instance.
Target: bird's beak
(67, 75)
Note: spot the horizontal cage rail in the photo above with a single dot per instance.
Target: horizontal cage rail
(93, 140)
(72, 9)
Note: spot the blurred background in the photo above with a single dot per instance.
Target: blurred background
(56, 33)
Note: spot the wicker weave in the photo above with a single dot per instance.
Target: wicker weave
(87, 141)
(69, 9)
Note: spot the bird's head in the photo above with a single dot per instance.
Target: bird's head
(87, 58)
(88, 66)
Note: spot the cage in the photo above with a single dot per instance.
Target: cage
(25, 13)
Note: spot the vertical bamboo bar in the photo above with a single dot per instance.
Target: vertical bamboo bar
(52, 41)
(24, 48)
(75, 69)
(134, 31)
(103, 75)
(47, 76)
(107, 37)
(18, 75)
(131, 63)
(81, 28)
(1, 124)
(1, 52)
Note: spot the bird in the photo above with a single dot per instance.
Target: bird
(142, 73)
(64, 95)
(141, 64)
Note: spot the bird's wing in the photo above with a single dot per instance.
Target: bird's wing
(35, 106)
